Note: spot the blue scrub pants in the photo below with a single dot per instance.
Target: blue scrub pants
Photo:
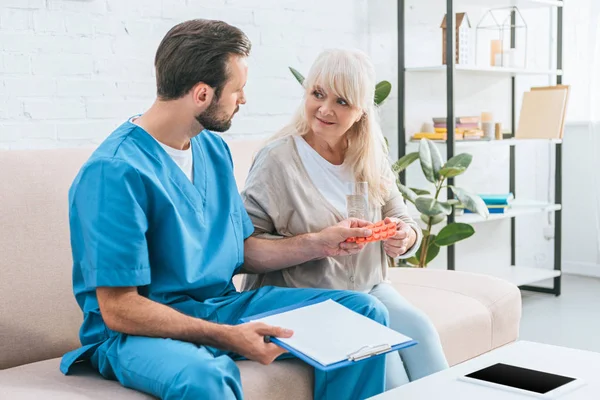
(427, 357)
(176, 370)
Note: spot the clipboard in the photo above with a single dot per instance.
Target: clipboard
(364, 353)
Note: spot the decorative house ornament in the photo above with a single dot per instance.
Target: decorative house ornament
(463, 46)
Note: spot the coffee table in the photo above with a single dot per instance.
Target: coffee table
(560, 360)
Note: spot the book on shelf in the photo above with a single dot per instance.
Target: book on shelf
(458, 126)
(458, 120)
(496, 203)
(500, 209)
(458, 135)
(497, 199)
(435, 136)
(543, 112)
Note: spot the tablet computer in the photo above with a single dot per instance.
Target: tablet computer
(540, 384)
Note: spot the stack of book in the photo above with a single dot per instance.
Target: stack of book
(467, 128)
(496, 203)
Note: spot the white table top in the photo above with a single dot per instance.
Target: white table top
(560, 360)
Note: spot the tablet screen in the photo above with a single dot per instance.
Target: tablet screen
(521, 378)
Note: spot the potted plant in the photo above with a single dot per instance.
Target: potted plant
(434, 211)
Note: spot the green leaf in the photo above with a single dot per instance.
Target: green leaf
(406, 192)
(456, 165)
(430, 206)
(412, 260)
(471, 201)
(382, 91)
(404, 162)
(434, 220)
(420, 192)
(431, 160)
(297, 75)
(432, 251)
(453, 233)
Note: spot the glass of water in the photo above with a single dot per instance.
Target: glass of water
(357, 200)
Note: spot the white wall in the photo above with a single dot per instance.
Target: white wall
(70, 71)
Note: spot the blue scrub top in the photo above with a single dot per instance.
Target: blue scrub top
(137, 220)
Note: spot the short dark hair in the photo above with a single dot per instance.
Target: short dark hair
(197, 51)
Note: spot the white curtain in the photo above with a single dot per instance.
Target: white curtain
(581, 64)
(594, 87)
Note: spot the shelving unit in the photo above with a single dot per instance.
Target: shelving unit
(522, 276)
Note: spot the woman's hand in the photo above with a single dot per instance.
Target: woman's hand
(332, 240)
(403, 240)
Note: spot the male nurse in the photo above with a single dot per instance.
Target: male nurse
(158, 230)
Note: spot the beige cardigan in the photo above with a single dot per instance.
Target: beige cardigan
(282, 201)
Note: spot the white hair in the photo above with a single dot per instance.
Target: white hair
(351, 76)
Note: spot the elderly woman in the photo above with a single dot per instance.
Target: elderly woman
(297, 185)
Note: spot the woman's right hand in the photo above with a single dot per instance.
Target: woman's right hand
(332, 240)
(248, 340)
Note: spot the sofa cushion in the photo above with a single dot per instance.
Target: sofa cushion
(39, 318)
(473, 313)
(282, 380)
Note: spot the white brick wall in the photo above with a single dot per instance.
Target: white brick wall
(71, 71)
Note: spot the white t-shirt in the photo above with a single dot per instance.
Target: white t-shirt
(183, 158)
(330, 179)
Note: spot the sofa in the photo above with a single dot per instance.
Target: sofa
(39, 318)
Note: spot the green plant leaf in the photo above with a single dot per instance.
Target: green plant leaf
(297, 75)
(420, 192)
(404, 162)
(406, 192)
(432, 251)
(412, 260)
(453, 233)
(471, 201)
(430, 206)
(456, 165)
(382, 91)
(431, 160)
(434, 220)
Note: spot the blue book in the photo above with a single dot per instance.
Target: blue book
(329, 336)
(497, 199)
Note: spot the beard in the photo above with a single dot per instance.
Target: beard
(214, 119)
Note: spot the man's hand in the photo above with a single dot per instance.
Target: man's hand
(403, 240)
(331, 241)
(248, 340)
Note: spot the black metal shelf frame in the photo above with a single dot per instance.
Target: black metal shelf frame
(450, 123)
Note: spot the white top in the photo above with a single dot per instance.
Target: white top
(330, 179)
(183, 158)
